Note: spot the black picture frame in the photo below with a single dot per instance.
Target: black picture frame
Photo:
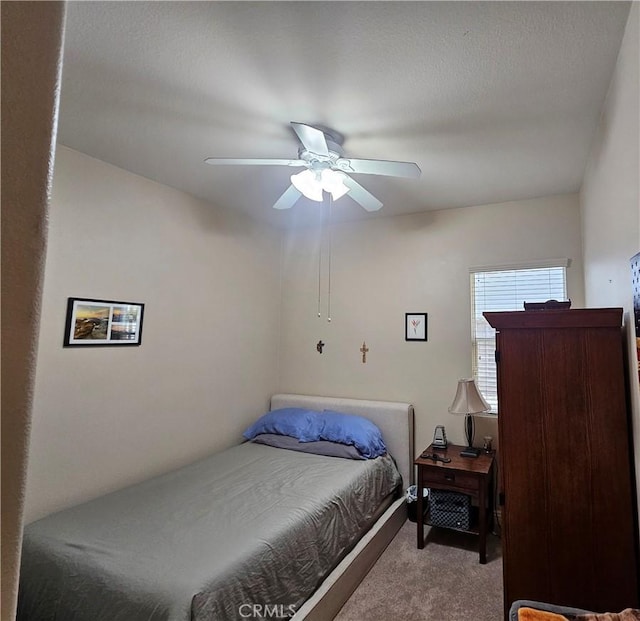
(415, 327)
(103, 323)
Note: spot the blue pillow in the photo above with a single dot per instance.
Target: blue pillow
(295, 422)
(352, 429)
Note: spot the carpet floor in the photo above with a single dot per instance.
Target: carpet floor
(442, 582)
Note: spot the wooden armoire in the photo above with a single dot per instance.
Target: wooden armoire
(570, 532)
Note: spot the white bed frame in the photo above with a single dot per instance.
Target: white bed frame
(396, 422)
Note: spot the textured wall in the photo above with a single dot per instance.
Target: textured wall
(104, 417)
(31, 53)
(610, 200)
(385, 267)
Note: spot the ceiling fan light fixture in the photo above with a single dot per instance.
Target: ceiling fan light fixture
(333, 182)
(308, 184)
(320, 154)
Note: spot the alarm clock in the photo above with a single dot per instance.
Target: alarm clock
(439, 438)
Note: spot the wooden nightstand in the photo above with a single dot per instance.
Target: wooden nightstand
(465, 475)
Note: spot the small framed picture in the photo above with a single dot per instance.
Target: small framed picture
(415, 326)
(102, 322)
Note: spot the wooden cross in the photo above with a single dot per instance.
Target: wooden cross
(319, 346)
(364, 349)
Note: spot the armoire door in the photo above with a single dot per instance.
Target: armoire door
(569, 519)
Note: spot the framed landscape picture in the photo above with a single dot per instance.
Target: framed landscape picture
(102, 322)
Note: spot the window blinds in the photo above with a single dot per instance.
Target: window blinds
(505, 290)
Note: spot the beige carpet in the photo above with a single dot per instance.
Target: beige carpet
(442, 582)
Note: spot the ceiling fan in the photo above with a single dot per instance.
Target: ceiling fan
(325, 169)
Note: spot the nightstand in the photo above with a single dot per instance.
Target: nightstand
(464, 475)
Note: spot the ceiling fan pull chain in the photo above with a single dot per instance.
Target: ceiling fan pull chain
(329, 264)
(320, 258)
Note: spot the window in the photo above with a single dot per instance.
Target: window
(503, 289)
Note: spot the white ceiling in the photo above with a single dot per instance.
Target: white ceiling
(494, 101)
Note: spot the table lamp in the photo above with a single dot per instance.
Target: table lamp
(468, 401)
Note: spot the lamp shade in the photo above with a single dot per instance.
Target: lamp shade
(308, 183)
(311, 183)
(333, 182)
(468, 399)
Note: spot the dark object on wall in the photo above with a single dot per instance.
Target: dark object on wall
(635, 279)
(569, 518)
(102, 323)
(449, 509)
(549, 304)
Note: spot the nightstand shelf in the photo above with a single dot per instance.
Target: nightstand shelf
(474, 527)
(472, 477)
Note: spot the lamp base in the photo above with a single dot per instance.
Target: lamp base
(470, 451)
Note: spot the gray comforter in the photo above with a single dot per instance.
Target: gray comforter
(252, 525)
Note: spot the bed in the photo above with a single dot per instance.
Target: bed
(250, 532)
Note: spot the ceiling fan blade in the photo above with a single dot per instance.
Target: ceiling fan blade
(362, 196)
(253, 162)
(287, 200)
(379, 167)
(312, 139)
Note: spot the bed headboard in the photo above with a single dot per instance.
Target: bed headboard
(395, 421)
